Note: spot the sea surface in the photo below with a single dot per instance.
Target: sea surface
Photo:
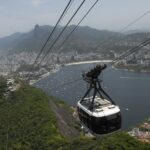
(130, 90)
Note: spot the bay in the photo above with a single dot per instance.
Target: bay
(130, 90)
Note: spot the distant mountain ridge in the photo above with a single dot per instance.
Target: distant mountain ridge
(136, 31)
(84, 39)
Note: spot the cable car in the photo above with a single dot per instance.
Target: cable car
(98, 113)
(104, 118)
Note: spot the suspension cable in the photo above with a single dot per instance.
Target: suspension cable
(122, 30)
(51, 34)
(134, 21)
(69, 35)
(130, 24)
(131, 51)
(49, 37)
(77, 25)
(61, 32)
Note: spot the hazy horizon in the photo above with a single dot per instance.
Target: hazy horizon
(113, 15)
(32, 28)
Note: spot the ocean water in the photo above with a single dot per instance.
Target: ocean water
(130, 90)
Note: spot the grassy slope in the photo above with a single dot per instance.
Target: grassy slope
(27, 122)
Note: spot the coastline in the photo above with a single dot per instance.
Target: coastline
(130, 70)
(88, 62)
(32, 82)
(128, 110)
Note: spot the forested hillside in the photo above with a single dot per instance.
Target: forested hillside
(27, 122)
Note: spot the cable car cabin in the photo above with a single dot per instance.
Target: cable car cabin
(99, 114)
(104, 117)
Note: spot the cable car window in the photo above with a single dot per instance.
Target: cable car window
(112, 117)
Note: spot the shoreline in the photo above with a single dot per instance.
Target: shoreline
(130, 70)
(88, 62)
(32, 82)
(79, 63)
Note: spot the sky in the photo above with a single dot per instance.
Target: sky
(23, 15)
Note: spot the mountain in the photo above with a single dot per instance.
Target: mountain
(136, 31)
(84, 39)
(9, 42)
(29, 41)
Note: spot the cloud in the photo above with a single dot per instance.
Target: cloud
(38, 2)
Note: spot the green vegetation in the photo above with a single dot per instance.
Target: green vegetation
(28, 123)
(3, 86)
(117, 141)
